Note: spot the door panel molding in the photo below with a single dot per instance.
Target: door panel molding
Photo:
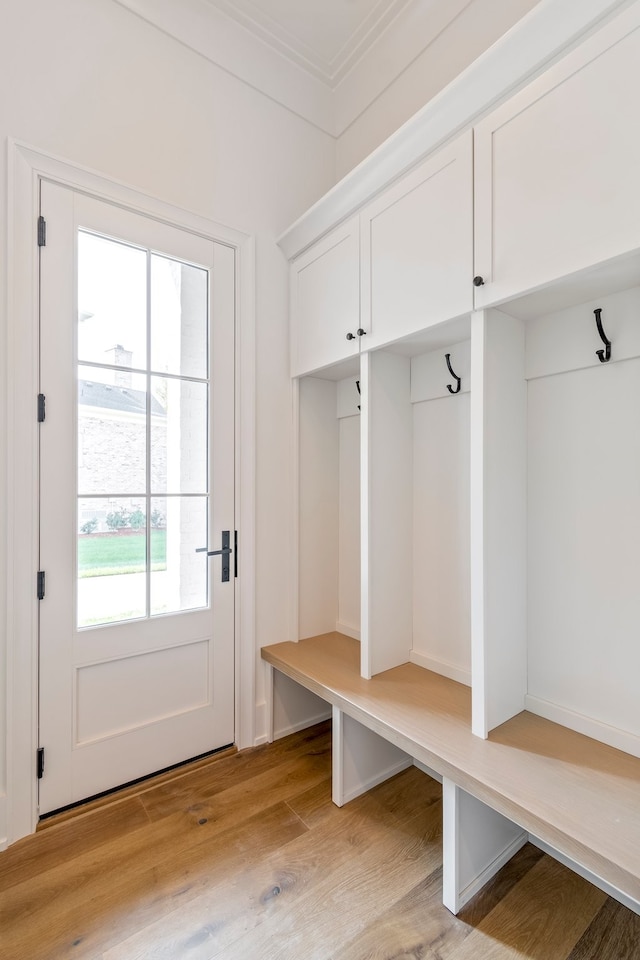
(195, 691)
(27, 167)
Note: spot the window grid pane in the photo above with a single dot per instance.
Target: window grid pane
(139, 430)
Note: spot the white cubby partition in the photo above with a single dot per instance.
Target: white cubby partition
(498, 519)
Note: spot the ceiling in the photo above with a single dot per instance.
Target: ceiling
(325, 37)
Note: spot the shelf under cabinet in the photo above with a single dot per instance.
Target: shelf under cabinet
(577, 795)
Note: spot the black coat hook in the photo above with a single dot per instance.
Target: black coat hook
(603, 355)
(459, 379)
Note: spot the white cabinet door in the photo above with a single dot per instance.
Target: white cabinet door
(557, 187)
(325, 301)
(417, 248)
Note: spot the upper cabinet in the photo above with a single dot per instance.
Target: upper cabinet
(325, 301)
(544, 189)
(417, 248)
(556, 169)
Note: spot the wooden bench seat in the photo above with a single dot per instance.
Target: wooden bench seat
(577, 797)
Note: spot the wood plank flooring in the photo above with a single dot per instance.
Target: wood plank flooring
(246, 857)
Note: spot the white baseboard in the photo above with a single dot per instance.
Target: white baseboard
(4, 832)
(347, 630)
(302, 725)
(380, 777)
(613, 736)
(443, 667)
(262, 723)
(476, 885)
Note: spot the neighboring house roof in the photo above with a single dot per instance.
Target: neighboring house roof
(112, 397)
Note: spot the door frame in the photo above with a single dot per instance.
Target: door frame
(27, 167)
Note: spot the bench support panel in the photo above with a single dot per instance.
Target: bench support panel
(477, 842)
(361, 759)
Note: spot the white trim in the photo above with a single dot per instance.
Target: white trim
(337, 741)
(264, 711)
(294, 550)
(330, 67)
(301, 725)
(246, 494)
(221, 40)
(348, 630)
(27, 165)
(604, 732)
(477, 525)
(443, 667)
(366, 648)
(380, 777)
(21, 506)
(544, 34)
(407, 37)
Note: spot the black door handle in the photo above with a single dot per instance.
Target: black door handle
(224, 551)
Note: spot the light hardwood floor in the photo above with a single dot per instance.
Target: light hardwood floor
(246, 857)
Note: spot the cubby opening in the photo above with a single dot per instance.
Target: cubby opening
(417, 532)
(574, 480)
(329, 504)
(583, 518)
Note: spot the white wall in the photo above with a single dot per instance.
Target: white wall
(469, 34)
(96, 85)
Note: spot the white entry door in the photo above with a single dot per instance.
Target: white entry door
(137, 484)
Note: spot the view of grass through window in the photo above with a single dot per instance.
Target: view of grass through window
(100, 555)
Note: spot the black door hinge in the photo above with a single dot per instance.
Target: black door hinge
(40, 584)
(42, 232)
(40, 762)
(41, 407)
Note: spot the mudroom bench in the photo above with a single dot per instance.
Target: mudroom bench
(576, 798)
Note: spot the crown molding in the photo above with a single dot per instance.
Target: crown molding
(548, 31)
(330, 69)
(206, 30)
(406, 37)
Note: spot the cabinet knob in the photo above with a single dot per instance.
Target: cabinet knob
(351, 336)
(361, 332)
(478, 282)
